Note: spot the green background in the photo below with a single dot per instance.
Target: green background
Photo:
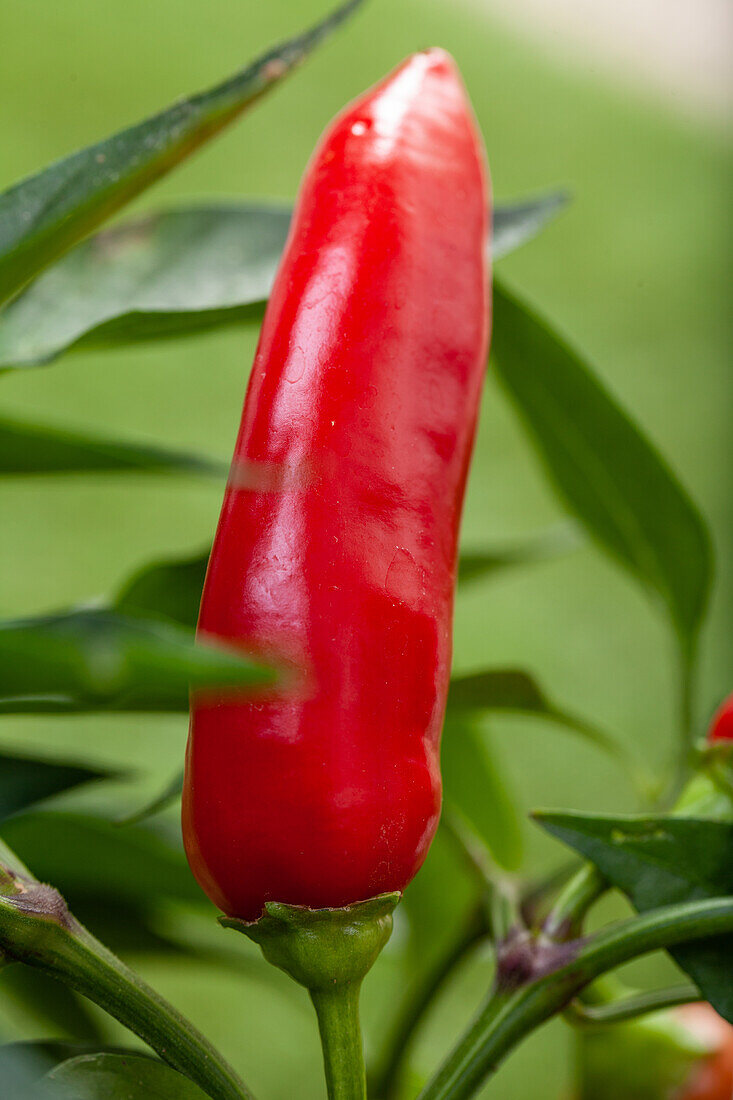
(635, 272)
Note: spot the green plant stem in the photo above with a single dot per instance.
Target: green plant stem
(419, 1000)
(512, 1013)
(566, 917)
(629, 1008)
(343, 1056)
(37, 928)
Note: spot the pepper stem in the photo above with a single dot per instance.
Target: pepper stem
(328, 951)
(343, 1056)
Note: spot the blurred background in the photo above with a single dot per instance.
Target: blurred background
(625, 104)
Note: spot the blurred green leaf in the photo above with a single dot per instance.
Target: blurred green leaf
(53, 1007)
(120, 1077)
(25, 780)
(659, 861)
(46, 214)
(438, 900)
(94, 660)
(515, 223)
(514, 691)
(170, 589)
(170, 793)
(475, 788)
(42, 449)
(603, 465)
(177, 272)
(90, 860)
(557, 541)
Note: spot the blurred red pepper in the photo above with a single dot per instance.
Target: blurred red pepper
(683, 1053)
(364, 395)
(712, 1078)
(721, 727)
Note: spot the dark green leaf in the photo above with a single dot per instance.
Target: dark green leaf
(162, 275)
(46, 214)
(553, 543)
(120, 1077)
(177, 272)
(41, 449)
(603, 465)
(95, 660)
(475, 788)
(91, 860)
(25, 780)
(660, 861)
(518, 222)
(169, 589)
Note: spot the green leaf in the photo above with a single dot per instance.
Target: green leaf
(514, 691)
(162, 275)
(557, 541)
(518, 222)
(97, 660)
(659, 861)
(25, 780)
(169, 589)
(177, 272)
(602, 464)
(92, 861)
(475, 788)
(120, 1077)
(41, 449)
(46, 214)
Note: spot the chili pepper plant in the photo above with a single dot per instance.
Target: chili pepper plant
(317, 671)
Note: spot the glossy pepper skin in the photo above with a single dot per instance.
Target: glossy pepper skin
(721, 727)
(363, 396)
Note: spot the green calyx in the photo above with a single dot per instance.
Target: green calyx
(321, 948)
(328, 951)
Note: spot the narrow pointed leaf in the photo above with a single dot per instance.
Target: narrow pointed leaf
(43, 449)
(178, 272)
(25, 780)
(556, 542)
(46, 214)
(516, 223)
(512, 691)
(602, 464)
(97, 660)
(166, 589)
(658, 861)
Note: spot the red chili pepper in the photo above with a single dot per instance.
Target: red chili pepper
(712, 1079)
(721, 727)
(364, 395)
